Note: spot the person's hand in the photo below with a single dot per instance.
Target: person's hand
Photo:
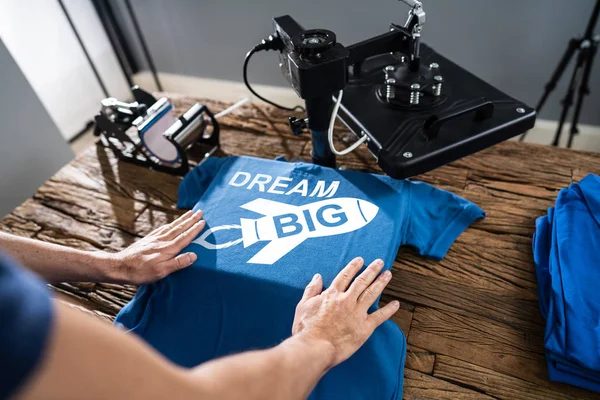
(339, 315)
(157, 255)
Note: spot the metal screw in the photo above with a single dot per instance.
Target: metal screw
(408, 154)
(403, 59)
(388, 71)
(521, 110)
(415, 93)
(437, 89)
(434, 65)
(390, 89)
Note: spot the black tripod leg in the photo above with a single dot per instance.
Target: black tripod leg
(584, 89)
(560, 69)
(568, 100)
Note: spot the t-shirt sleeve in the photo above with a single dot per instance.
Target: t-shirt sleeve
(197, 181)
(25, 324)
(434, 218)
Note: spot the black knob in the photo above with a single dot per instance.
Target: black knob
(297, 125)
(314, 44)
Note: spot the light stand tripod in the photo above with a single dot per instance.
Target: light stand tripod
(587, 46)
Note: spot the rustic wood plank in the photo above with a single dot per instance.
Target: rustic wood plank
(503, 215)
(464, 300)
(419, 359)
(512, 191)
(480, 259)
(419, 386)
(531, 164)
(503, 386)
(448, 177)
(98, 170)
(19, 226)
(480, 341)
(85, 205)
(237, 142)
(89, 298)
(580, 173)
(64, 229)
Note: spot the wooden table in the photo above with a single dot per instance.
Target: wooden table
(471, 320)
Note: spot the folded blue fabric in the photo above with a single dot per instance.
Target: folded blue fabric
(566, 249)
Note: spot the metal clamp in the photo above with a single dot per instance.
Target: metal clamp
(414, 23)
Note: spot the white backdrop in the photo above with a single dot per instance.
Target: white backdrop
(39, 38)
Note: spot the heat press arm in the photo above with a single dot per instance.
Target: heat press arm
(416, 11)
(414, 23)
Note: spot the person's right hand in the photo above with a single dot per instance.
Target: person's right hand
(338, 315)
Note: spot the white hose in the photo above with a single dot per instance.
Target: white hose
(334, 113)
(232, 108)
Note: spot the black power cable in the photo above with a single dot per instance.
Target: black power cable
(271, 43)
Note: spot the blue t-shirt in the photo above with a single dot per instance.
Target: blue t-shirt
(25, 323)
(271, 226)
(566, 249)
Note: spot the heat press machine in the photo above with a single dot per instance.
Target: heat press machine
(147, 132)
(415, 109)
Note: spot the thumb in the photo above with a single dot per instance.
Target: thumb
(313, 288)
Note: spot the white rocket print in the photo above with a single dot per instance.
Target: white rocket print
(286, 226)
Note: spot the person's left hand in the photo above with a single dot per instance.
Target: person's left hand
(156, 255)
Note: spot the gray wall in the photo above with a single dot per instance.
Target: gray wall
(513, 44)
(31, 148)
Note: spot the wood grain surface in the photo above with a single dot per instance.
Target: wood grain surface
(472, 322)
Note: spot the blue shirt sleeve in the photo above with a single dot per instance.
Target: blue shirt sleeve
(25, 323)
(197, 181)
(434, 218)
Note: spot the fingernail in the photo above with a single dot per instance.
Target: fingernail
(396, 304)
(316, 277)
(199, 212)
(387, 275)
(378, 262)
(192, 257)
(359, 260)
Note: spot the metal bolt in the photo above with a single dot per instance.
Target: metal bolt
(415, 93)
(388, 71)
(437, 89)
(521, 110)
(390, 89)
(434, 65)
(408, 154)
